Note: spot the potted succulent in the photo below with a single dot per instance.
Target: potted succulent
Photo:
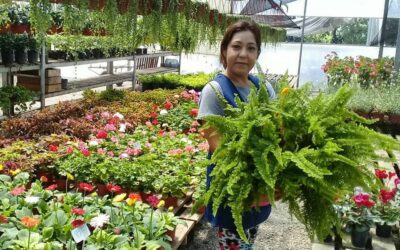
(7, 48)
(20, 47)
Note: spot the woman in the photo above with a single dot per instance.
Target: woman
(240, 48)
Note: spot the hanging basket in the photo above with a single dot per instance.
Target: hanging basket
(96, 4)
(123, 6)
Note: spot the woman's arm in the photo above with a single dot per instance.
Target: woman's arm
(212, 137)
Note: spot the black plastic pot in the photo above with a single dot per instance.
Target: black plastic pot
(64, 83)
(383, 231)
(21, 56)
(396, 241)
(360, 236)
(33, 56)
(7, 57)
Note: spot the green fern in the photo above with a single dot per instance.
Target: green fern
(312, 148)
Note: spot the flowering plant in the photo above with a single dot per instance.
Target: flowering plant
(356, 210)
(387, 209)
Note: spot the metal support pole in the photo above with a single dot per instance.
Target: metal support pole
(383, 28)
(43, 77)
(134, 73)
(110, 71)
(301, 44)
(180, 63)
(397, 58)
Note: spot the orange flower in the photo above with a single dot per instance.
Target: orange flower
(3, 219)
(30, 222)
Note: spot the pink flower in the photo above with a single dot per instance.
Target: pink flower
(192, 130)
(89, 117)
(53, 148)
(110, 127)
(78, 211)
(148, 145)
(70, 150)
(154, 122)
(17, 191)
(153, 201)
(148, 124)
(85, 152)
(52, 187)
(195, 124)
(177, 151)
(397, 181)
(203, 146)
(102, 134)
(385, 196)
(123, 156)
(110, 153)
(172, 134)
(391, 174)
(85, 187)
(114, 139)
(113, 188)
(101, 151)
(363, 200)
(105, 115)
(189, 148)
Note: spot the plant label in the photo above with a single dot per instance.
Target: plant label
(80, 233)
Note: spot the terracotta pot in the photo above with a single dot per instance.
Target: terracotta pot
(171, 201)
(213, 17)
(201, 210)
(52, 30)
(363, 114)
(101, 190)
(171, 233)
(20, 28)
(379, 116)
(5, 28)
(394, 118)
(123, 6)
(87, 32)
(96, 4)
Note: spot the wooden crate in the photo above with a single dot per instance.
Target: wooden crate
(33, 79)
(36, 87)
(48, 73)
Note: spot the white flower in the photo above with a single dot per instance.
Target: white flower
(93, 143)
(119, 115)
(123, 156)
(163, 112)
(176, 96)
(186, 140)
(32, 199)
(100, 220)
(122, 127)
(164, 125)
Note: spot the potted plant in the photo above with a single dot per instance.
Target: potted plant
(396, 237)
(15, 95)
(19, 18)
(4, 19)
(33, 53)
(7, 48)
(20, 47)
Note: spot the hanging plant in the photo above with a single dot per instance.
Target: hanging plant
(172, 15)
(110, 14)
(40, 17)
(156, 18)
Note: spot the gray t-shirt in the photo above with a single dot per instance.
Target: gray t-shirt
(210, 105)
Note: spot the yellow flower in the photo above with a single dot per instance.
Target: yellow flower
(130, 201)
(170, 209)
(15, 172)
(119, 198)
(284, 91)
(70, 177)
(1, 167)
(161, 204)
(94, 194)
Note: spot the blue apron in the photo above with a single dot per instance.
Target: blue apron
(224, 217)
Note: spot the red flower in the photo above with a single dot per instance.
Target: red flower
(153, 115)
(77, 223)
(363, 200)
(78, 211)
(391, 174)
(155, 107)
(168, 105)
(194, 112)
(85, 152)
(113, 188)
(381, 174)
(385, 196)
(102, 134)
(153, 200)
(233, 246)
(135, 196)
(43, 178)
(70, 150)
(115, 120)
(3, 219)
(17, 191)
(52, 187)
(85, 187)
(53, 148)
(154, 122)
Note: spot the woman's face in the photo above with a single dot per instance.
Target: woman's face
(241, 54)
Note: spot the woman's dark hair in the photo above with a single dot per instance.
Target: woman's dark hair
(234, 28)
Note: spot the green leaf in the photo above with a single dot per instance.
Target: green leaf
(47, 233)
